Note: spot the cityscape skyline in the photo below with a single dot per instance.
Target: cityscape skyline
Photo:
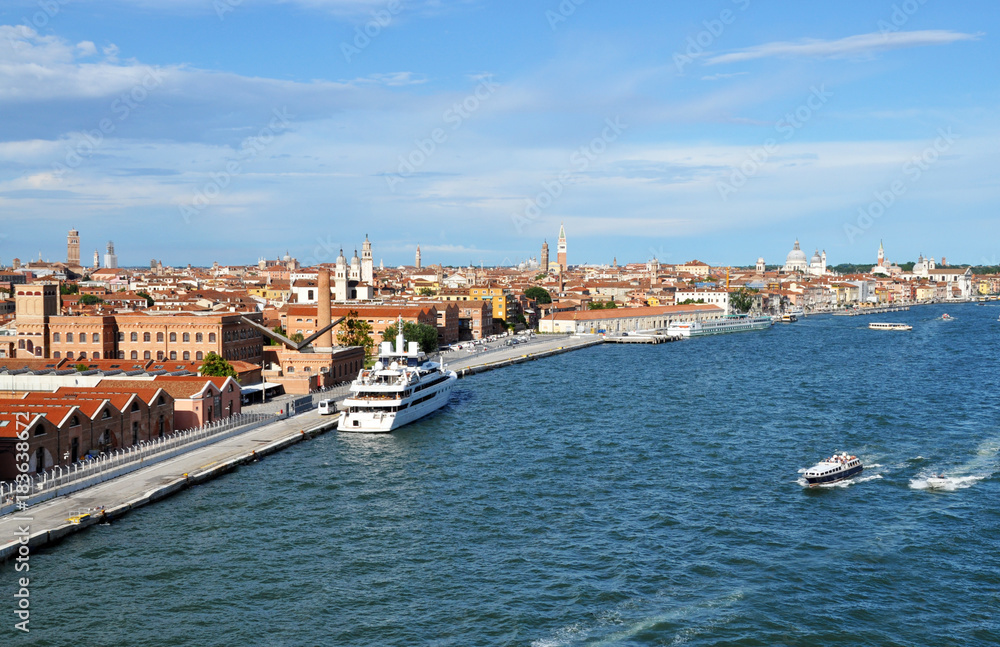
(720, 132)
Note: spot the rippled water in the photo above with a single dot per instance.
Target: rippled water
(619, 495)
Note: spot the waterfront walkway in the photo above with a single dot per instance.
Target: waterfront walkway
(50, 521)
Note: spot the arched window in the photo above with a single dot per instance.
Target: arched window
(135, 355)
(121, 354)
(186, 338)
(173, 336)
(69, 337)
(135, 407)
(187, 355)
(173, 355)
(55, 337)
(159, 336)
(83, 355)
(159, 356)
(69, 355)
(96, 356)
(135, 336)
(56, 355)
(146, 337)
(199, 338)
(121, 336)
(83, 338)
(198, 356)
(146, 355)
(211, 337)
(74, 421)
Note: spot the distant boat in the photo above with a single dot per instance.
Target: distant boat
(889, 326)
(836, 468)
(946, 317)
(937, 480)
(726, 324)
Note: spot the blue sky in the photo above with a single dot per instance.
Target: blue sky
(195, 131)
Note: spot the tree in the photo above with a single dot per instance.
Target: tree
(426, 335)
(281, 331)
(297, 337)
(541, 276)
(90, 299)
(426, 292)
(81, 367)
(149, 299)
(742, 300)
(356, 332)
(602, 305)
(687, 302)
(217, 366)
(541, 295)
(69, 288)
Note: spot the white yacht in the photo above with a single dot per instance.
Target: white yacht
(401, 387)
(728, 323)
(836, 468)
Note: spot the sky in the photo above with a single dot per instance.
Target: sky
(193, 131)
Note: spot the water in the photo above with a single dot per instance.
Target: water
(619, 495)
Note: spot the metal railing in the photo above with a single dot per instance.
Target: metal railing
(69, 478)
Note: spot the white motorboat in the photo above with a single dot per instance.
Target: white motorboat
(836, 468)
(889, 326)
(401, 387)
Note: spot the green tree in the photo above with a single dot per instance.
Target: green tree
(217, 366)
(426, 292)
(687, 302)
(281, 331)
(602, 305)
(539, 294)
(69, 288)
(425, 334)
(356, 332)
(90, 299)
(297, 337)
(742, 300)
(541, 276)
(149, 299)
(81, 367)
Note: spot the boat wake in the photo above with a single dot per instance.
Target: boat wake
(863, 478)
(945, 483)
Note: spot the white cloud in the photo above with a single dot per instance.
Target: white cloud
(852, 46)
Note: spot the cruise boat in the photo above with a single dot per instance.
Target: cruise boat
(788, 317)
(401, 387)
(728, 323)
(889, 326)
(836, 468)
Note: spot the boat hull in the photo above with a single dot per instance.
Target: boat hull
(383, 422)
(697, 329)
(833, 478)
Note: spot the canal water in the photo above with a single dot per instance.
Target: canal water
(618, 495)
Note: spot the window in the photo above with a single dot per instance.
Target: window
(186, 338)
(56, 355)
(83, 355)
(69, 337)
(135, 355)
(230, 388)
(159, 337)
(199, 338)
(135, 336)
(135, 407)
(146, 337)
(159, 356)
(69, 355)
(173, 355)
(107, 414)
(55, 337)
(160, 401)
(96, 356)
(74, 421)
(121, 336)
(187, 356)
(121, 354)
(211, 337)
(290, 369)
(198, 356)
(147, 355)
(173, 337)
(95, 338)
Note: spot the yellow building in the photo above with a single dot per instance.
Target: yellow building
(502, 299)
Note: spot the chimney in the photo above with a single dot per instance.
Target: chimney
(323, 309)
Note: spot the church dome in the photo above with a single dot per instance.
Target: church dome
(816, 259)
(796, 256)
